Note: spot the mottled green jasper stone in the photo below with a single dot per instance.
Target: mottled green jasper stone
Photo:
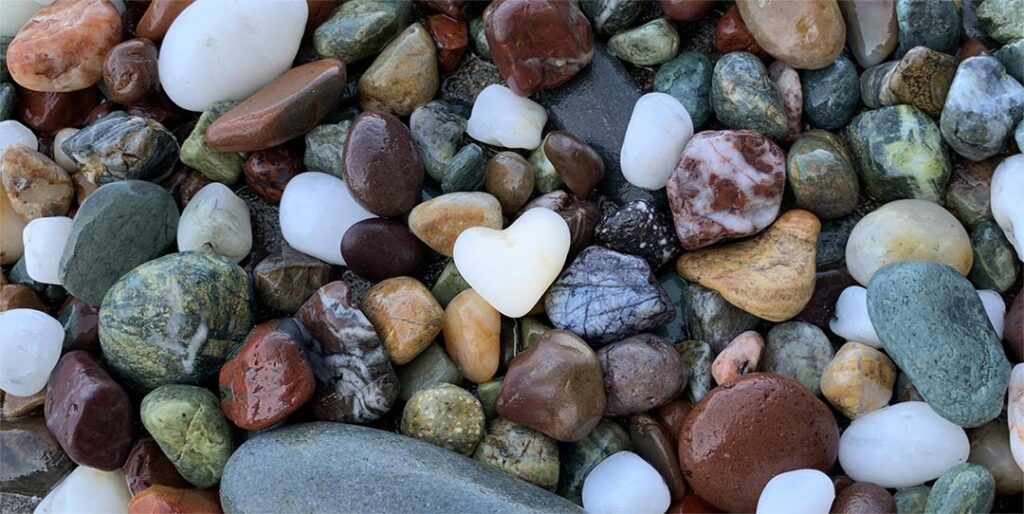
(678, 329)
(965, 488)
(820, 173)
(995, 263)
(430, 368)
(476, 32)
(445, 415)
(195, 153)
(931, 23)
(1003, 19)
(649, 44)
(610, 16)
(744, 97)
(900, 154)
(438, 130)
(175, 319)
(187, 423)
(488, 392)
(912, 500)
(325, 148)
(545, 178)
(831, 94)
(697, 359)
(8, 99)
(359, 29)
(799, 351)
(521, 452)
(688, 79)
(449, 284)
(577, 459)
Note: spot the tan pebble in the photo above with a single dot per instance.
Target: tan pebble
(739, 357)
(406, 316)
(472, 336)
(858, 380)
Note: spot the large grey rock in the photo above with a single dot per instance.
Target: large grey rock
(332, 467)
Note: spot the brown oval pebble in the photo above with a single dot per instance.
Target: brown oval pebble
(747, 431)
(651, 441)
(438, 222)
(640, 373)
(685, 10)
(509, 177)
(47, 113)
(451, 37)
(379, 248)
(147, 465)
(268, 171)
(158, 18)
(579, 165)
(130, 71)
(731, 35)
(17, 296)
(160, 499)
(863, 498)
(382, 165)
(582, 218)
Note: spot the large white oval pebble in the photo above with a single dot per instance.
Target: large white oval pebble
(229, 49)
(1015, 413)
(502, 118)
(13, 132)
(1008, 200)
(316, 211)
(30, 344)
(44, 240)
(657, 132)
(624, 482)
(216, 220)
(88, 491)
(807, 491)
(901, 445)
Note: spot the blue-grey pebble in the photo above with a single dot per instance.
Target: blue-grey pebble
(931, 23)
(688, 79)
(983, 107)
(831, 94)
(1012, 57)
(798, 350)
(744, 97)
(966, 488)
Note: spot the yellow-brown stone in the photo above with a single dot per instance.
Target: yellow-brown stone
(472, 336)
(404, 314)
(404, 76)
(805, 34)
(439, 221)
(858, 380)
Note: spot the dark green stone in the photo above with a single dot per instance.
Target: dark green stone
(195, 153)
(995, 263)
(516, 336)
(832, 239)
(187, 423)
(831, 94)
(610, 16)
(325, 148)
(744, 97)
(799, 351)
(650, 44)
(688, 79)
(713, 320)
(900, 154)
(430, 368)
(521, 452)
(5, 41)
(677, 329)
(118, 227)
(1003, 19)
(449, 284)
(8, 99)
(122, 146)
(931, 23)
(964, 489)
(476, 32)
(872, 81)
(50, 293)
(531, 329)
(175, 319)
(488, 392)
(934, 327)
(968, 195)
(912, 500)
(580, 457)
(438, 130)
(359, 29)
(697, 359)
(820, 173)
(1012, 57)
(465, 171)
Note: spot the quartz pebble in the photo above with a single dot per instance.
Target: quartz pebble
(858, 380)
(216, 220)
(501, 118)
(87, 491)
(624, 482)
(44, 240)
(30, 346)
(808, 491)
(871, 30)
(658, 130)
(1008, 211)
(316, 211)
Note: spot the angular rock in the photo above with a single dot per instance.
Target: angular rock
(404, 75)
(983, 107)
(33, 460)
(286, 279)
(640, 373)
(36, 187)
(360, 29)
(120, 146)
(858, 380)
(405, 315)
(921, 78)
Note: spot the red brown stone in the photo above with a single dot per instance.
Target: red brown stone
(747, 431)
(190, 185)
(971, 48)
(692, 504)
(159, 108)
(47, 113)
(147, 466)
(318, 12)
(579, 165)
(130, 71)
(453, 8)
(81, 325)
(582, 217)
(100, 111)
(286, 108)
(89, 413)
(863, 498)
(382, 165)
(651, 441)
(269, 378)
(268, 171)
(160, 499)
(829, 283)
(731, 35)
(673, 415)
(17, 296)
(451, 36)
(1013, 330)
(686, 10)
(158, 18)
(537, 44)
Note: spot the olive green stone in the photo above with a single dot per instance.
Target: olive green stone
(545, 178)
(872, 83)
(430, 368)
(677, 329)
(196, 153)
(577, 459)
(521, 452)
(744, 97)
(488, 392)
(650, 44)
(921, 78)
(449, 284)
(1003, 19)
(361, 28)
(1012, 57)
(900, 154)
(517, 335)
(995, 263)
(445, 415)
(8, 99)
(610, 16)
(438, 131)
(532, 329)
(832, 239)
(912, 500)
(965, 488)
(175, 319)
(830, 94)
(968, 194)
(697, 360)
(799, 351)
(325, 148)
(187, 423)
(687, 78)
(820, 172)
(476, 32)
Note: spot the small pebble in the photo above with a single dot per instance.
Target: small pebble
(858, 380)
(658, 130)
(445, 415)
(472, 335)
(804, 490)
(30, 347)
(216, 220)
(316, 211)
(739, 357)
(625, 482)
(503, 119)
(521, 452)
(44, 240)
(405, 315)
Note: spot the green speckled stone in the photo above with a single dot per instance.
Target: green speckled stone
(8, 99)
(744, 97)
(1003, 19)
(912, 500)
(50, 293)
(688, 79)
(983, 107)
(831, 94)
(832, 239)
(449, 284)
(430, 368)
(577, 459)
(1012, 57)
(476, 32)
(900, 154)
(445, 415)
(678, 329)
(697, 359)
(325, 148)
(967, 488)
(920, 78)
(487, 393)
(187, 423)
(438, 130)
(872, 82)
(195, 153)
(995, 263)
(931, 23)
(799, 351)
(175, 319)
(521, 452)
(119, 226)
(359, 29)
(820, 173)
(465, 171)
(545, 178)
(650, 44)
(610, 16)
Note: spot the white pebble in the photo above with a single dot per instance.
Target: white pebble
(1007, 204)
(229, 49)
(622, 483)
(88, 491)
(216, 220)
(807, 491)
(16, 14)
(1015, 413)
(657, 132)
(30, 344)
(44, 240)
(13, 132)
(58, 151)
(851, 321)
(316, 211)
(502, 118)
(995, 308)
(902, 445)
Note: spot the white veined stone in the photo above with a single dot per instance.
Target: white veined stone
(901, 445)
(851, 321)
(59, 156)
(657, 132)
(1007, 196)
(512, 268)
(807, 491)
(30, 344)
(13, 132)
(229, 49)
(44, 240)
(316, 211)
(1015, 413)
(88, 491)
(623, 483)
(502, 118)
(216, 220)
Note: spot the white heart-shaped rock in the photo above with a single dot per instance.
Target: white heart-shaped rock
(512, 268)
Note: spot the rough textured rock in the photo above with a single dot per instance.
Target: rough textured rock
(639, 229)
(521, 452)
(744, 97)
(983, 107)
(121, 146)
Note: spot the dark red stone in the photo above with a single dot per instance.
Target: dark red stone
(89, 413)
(451, 36)
(1013, 329)
(453, 8)
(651, 441)
(382, 165)
(692, 504)
(130, 71)
(556, 200)
(268, 171)
(190, 185)
(81, 323)
(673, 415)
(147, 466)
(269, 378)
(579, 165)
(686, 10)
(49, 112)
(863, 498)
(158, 108)
(731, 35)
(829, 283)
(537, 44)
(378, 248)
(319, 11)
(158, 18)
(971, 48)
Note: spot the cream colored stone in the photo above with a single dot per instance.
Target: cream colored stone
(858, 380)
(472, 336)
(805, 34)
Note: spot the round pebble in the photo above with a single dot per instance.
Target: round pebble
(445, 415)
(31, 345)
